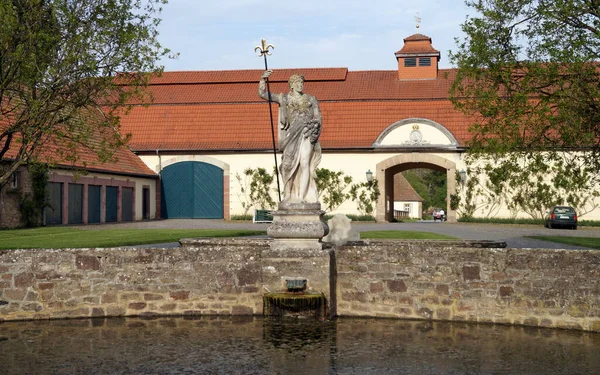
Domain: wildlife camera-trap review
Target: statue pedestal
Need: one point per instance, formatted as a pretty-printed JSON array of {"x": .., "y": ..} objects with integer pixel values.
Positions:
[{"x": 297, "y": 226}]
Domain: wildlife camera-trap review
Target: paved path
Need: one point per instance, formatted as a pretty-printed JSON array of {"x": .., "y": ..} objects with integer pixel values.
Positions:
[{"x": 512, "y": 234}]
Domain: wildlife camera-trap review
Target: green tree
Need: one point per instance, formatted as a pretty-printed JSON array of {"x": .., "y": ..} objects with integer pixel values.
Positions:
[
  {"x": 527, "y": 76},
  {"x": 331, "y": 186},
  {"x": 61, "y": 75}
]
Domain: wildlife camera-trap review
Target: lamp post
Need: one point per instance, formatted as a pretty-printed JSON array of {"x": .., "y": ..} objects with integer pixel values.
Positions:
[
  {"x": 463, "y": 177},
  {"x": 369, "y": 175}
]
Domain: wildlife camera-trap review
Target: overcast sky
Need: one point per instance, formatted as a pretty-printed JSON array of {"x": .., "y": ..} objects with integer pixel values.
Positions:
[{"x": 357, "y": 34}]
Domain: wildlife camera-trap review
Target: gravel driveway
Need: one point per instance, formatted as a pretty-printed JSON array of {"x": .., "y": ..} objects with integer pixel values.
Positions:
[{"x": 512, "y": 234}]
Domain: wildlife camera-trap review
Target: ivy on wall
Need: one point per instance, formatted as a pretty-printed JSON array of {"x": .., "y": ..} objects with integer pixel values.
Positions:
[{"x": 32, "y": 204}]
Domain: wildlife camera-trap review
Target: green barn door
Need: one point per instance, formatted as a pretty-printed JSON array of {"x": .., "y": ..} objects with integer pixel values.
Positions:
[
  {"x": 53, "y": 211},
  {"x": 94, "y": 203},
  {"x": 192, "y": 190},
  {"x": 75, "y": 203},
  {"x": 112, "y": 199}
]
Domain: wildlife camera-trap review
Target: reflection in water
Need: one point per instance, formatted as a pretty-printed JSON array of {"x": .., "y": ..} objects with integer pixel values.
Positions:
[{"x": 250, "y": 345}]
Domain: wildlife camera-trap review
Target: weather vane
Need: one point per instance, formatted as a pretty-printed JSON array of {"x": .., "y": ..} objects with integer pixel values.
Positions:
[
  {"x": 264, "y": 51},
  {"x": 417, "y": 20}
]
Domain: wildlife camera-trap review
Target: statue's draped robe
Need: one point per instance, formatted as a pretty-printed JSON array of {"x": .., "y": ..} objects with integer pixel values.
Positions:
[{"x": 297, "y": 127}]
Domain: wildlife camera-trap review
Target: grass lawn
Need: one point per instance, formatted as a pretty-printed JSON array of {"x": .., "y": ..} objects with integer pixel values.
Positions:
[
  {"x": 60, "y": 237},
  {"x": 404, "y": 235},
  {"x": 589, "y": 242}
]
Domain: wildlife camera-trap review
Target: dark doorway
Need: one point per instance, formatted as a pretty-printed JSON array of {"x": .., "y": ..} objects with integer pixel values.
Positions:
[
  {"x": 112, "y": 195},
  {"x": 94, "y": 203},
  {"x": 75, "y": 203},
  {"x": 53, "y": 213},
  {"x": 127, "y": 204},
  {"x": 146, "y": 203}
]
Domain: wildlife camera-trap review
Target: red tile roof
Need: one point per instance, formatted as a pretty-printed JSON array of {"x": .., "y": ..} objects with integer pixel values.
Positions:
[
  {"x": 239, "y": 76},
  {"x": 403, "y": 191},
  {"x": 221, "y": 110},
  {"x": 126, "y": 163},
  {"x": 417, "y": 43}
]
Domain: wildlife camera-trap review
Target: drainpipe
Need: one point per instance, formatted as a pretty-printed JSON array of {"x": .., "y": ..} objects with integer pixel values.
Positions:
[
  {"x": 159, "y": 162},
  {"x": 158, "y": 213}
]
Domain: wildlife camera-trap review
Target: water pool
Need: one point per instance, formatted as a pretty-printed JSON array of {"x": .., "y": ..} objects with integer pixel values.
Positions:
[{"x": 255, "y": 345}]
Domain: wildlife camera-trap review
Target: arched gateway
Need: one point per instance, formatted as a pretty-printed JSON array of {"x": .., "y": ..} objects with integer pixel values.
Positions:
[{"x": 420, "y": 143}]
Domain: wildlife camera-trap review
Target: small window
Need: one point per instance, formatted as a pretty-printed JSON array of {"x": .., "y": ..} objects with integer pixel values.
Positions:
[
  {"x": 424, "y": 61},
  {"x": 407, "y": 207},
  {"x": 15, "y": 180},
  {"x": 409, "y": 62}
]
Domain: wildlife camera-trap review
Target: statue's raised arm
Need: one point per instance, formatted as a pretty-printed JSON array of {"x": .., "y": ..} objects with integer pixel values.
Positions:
[{"x": 262, "y": 88}]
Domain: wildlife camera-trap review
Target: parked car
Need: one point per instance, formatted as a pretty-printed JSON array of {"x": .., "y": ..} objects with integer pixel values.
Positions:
[
  {"x": 439, "y": 214},
  {"x": 561, "y": 216}
]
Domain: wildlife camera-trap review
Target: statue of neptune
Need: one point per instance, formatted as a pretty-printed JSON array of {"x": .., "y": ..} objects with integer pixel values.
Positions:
[{"x": 299, "y": 129}]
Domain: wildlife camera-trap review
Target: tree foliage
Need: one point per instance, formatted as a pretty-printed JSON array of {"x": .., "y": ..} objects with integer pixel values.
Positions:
[
  {"x": 332, "y": 187},
  {"x": 67, "y": 68},
  {"x": 527, "y": 71},
  {"x": 528, "y": 77}
]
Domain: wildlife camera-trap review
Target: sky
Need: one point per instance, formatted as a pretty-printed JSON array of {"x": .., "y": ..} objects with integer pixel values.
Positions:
[{"x": 356, "y": 34}]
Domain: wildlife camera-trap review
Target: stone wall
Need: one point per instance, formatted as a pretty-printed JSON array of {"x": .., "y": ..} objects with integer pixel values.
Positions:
[
  {"x": 10, "y": 199},
  {"x": 397, "y": 279},
  {"x": 429, "y": 280},
  {"x": 207, "y": 277}
]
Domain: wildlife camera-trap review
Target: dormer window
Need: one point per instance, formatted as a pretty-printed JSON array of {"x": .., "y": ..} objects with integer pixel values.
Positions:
[
  {"x": 417, "y": 59},
  {"x": 410, "y": 61},
  {"x": 424, "y": 61}
]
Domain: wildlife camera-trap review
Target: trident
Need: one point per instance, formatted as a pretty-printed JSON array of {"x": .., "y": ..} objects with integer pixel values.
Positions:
[{"x": 263, "y": 50}]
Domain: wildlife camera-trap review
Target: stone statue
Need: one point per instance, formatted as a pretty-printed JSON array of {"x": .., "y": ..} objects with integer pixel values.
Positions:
[{"x": 299, "y": 129}]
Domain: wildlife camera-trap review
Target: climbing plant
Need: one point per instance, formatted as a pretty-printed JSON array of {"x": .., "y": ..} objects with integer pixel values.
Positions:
[
  {"x": 255, "y": 189},
  {"x": 365, "y": 195},
  {"x": 332, "y": 187},
  {"x": 32, "y": 204},
  {"x": 526, "y": 183}
]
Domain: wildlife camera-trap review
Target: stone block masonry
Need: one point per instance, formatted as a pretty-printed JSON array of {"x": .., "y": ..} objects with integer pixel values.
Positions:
[
  {"x": 204, "y": 277},
  {"x": 427, "y": 280},
  {"x": 432, "y": 281}
]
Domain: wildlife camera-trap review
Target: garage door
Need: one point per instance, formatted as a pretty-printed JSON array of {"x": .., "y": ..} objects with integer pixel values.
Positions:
[{"x": 192, "y": 190}]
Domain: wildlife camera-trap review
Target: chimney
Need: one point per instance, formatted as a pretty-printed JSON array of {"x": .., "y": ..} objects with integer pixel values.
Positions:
[{"x": 417, "y": 59}]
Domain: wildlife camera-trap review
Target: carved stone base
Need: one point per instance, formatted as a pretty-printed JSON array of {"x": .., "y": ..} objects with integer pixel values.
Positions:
[{"x": 297, "y": 226}]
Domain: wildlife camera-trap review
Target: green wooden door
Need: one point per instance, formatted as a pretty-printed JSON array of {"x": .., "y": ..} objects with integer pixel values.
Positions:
[
  {"x": 75, "y": 203},
  {"x": 112, "y": 199},
  {"x": 192, "y": 190},
  {"x": 127, "y": 204},
  {"x": 53, "y": 211},
  {"x": 94, "y": 203}
]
